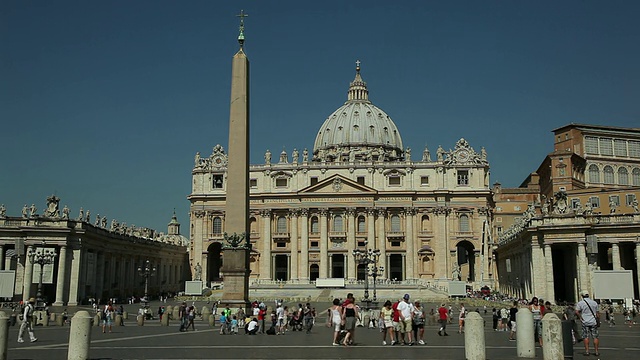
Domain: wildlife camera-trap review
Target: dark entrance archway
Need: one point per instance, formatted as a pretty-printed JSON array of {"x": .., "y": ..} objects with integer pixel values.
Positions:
[
  {"x": 395, "y": 267},
  {"x": 564, "y": 272},
  {"x": 337, "y": 266},
  {"x": 282, "y": 267},
  {"x": 466, "y": 260},
  {"x": 314, "y": 272},
  {"x": 214, "y": 261},
  {"x": 360, "y": 271}
]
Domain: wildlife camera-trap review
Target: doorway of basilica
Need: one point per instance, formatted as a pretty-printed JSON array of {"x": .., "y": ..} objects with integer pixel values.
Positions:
[
  {"x": 214, "y": 261},
  {"x": 466, "y": 260},
  {"x": 337, "y": 266}
]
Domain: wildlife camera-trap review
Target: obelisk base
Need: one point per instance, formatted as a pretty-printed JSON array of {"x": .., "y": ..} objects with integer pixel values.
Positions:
[{"x": 236, "y": 278}]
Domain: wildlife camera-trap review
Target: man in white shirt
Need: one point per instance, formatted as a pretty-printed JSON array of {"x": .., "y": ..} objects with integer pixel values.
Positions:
[
  {"x": 587, "y": 311},
  {"x": 405, "y": 308},
  {"x": 280, "y": 316},
  {"x": 252, "y": 327},
  {"x": 26, "y": 321}
]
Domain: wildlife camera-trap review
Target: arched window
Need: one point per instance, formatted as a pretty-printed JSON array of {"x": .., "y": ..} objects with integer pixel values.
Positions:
[
  {"x": 361, "y": 224},
  {"x": 594, "y": 173},
  {"x": 338, "y": 223},
  {"x": 217, "y": 226},
  {"x": 281, "y": 225},
  {"x": 253, "y": 225},
  {"x": 464, "y": 223},
  {"x": 425, "y": 223},
  {"x": 635, "y": 177},
  {"x": 608, "y": 175},
  {"x": 623, "y": 176},
  {"x": 395, "y": 223},
  {"x": 314, "y": 225}
]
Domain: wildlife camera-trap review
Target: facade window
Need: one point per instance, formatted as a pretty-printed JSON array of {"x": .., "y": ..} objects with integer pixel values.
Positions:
[
  {"x": 591, "y": 145},
  {"x": 281, "y": 225},
  {"x": 620, "y": 147},
  {"x": 463, "y": 177},
  {"x": 606, "y": 146},
  {"x": 360, "y": 180},
  {"x": 394, "y": 180},
  {"x": 595, "y": 201},
  {"x": 594, "y": 173},
  {"x": 574, "y": 203},
  {"x": 314, "y": 244},
  {"x": 217, "y": 181},
  {"x": 253, "y": 183},
  {"x": 314, "y": 180},
  {"x": 314, "y": 225},
  {"x": 623, "y": 176},
  {"x": 361, "y": 224},
  {"x": 395, "y": 243},
  {"x": 425, "y": 223},
  {"x": 635, "y": 177},
  {"x": 499, "y": 219},
  {"x": 281, "y": 244},
  {"x": 281, "y": 182},
  {"x": 338, "y": 224},
  {"x": 614, "y": 199},
  {"x": 424, "y": 181},
  {"x": 253, "y": 225},
  {"x": 629, "y": 199},
  {"x": 608, "y": 175},
  {"x": 634, "y": 149},
  {"x": 463, "y": 222},
  {"x": 217, "y": 226},
  {"x": 395, "y": 223},
  {"x": 498, "y": 208},
  {"x": 499, "y": 230}
]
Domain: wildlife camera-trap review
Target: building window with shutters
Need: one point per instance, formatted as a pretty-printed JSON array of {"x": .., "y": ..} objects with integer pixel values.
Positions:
[{"x": 217, "y": 226}]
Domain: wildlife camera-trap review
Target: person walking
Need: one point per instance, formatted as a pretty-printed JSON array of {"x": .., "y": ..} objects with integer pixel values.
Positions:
[
  {"x": 349, "y": 316},
  {"x": 512, "y": 320},
  {"x": 461, "y": 317},
  {"x": 587, "y": 312},
  {"x": 443, "y": 318},
  {"x": 406, "y": 319},
  {"x": 418, "y": 323},
  {"x": 386, "y": 318},
  {"x": 27, "y": 315},
  {"x": 536, "y": 311},
  {"x": 107, "y": 319},
  {"x": 334, "y": 318}
]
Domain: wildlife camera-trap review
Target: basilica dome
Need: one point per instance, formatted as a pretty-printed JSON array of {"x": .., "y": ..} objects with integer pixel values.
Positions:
[{"x": 358, "y": 130}]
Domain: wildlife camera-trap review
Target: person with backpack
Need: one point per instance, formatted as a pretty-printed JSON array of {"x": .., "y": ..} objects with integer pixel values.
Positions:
[
  {"x": 183, "y": 314},
  {"x": 27, "y": 314},
  {"x": 106, "y": 317}
]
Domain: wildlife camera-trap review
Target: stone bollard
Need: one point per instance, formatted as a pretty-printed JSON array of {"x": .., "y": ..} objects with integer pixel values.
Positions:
[
  {"x": 96, "y": 320},
  {"x": 474, "y": 348},
  {"x": 4, "y": 335},
  {"x": 552, "y": 337},
  {"x": 119, "y": 321},
  {"x": 140, "y": 319},
  {"x": 52, "y": 317},
  {"x": 168, "y": 310},
  {"x": 125, "y": 315},
  {"x": 526, "y": 342},
  {"x": 60, "y": 320},
  {"x": 205, "y": 312},
  {"x": 164, "y": 321},
  {"x": 175, "y": 314},
  {"x": 80, "y": 336},
  {"x": 212, "y": 320}
]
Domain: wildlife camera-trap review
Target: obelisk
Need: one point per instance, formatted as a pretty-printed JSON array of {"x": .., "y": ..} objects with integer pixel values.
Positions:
[{"x": 237, "y": 247}]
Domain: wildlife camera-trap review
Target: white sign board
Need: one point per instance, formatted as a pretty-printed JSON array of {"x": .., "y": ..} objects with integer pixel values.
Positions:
[
  {"x": 612, "y": 284},
  {"x": 193, "y": 288},
  {"x": 7, "y": 283},
  {"x": 457, "y": 288},
  {"x": 330, "y": 282}
]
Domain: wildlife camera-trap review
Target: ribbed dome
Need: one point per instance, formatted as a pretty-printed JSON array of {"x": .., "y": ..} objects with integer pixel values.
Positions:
[{"x": 358, "y": 130}]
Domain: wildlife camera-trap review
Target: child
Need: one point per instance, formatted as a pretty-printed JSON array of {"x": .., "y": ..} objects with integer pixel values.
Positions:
[
  {"x": 223, "y": 323},
  {"x": 234, "y": 325}
]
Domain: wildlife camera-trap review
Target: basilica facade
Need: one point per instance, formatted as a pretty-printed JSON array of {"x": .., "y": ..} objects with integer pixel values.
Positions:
[{"x": 357, "y": 188}]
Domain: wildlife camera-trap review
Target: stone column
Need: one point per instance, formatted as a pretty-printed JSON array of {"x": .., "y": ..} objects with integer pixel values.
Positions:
[
  {"x": 441, "y": 246},
  {"x": 411, "y": 253},
  {"x": 324, "y": 244},
  {"x": 382, "y": 241},
  {"x": 351, "y": 243},
  {"x": 1, "y": 257},
  {"x": 371, "y": 227},
  {"x": 583, "y": 269},
  {"x": 62, "y": 273},
  {"x": 293, "y": 216},
  {"x": 550, "y": 290},
  {"x": 75, "y": 277},
  {"x": 28, "y": 275},
  {"x": 100, "y": 273},
  {"x": 538, "y": 272},
  {"x": 304, "y": 245},
  {"x": 265, "y": 257},
  {"x": 615, "y": 256}
]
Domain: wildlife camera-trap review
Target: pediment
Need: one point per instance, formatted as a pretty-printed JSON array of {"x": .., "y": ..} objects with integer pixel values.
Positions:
[{"x": 337, "y": 184}]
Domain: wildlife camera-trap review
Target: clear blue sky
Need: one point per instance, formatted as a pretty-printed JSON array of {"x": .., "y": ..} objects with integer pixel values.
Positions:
[{"x": 106, "y": 102}]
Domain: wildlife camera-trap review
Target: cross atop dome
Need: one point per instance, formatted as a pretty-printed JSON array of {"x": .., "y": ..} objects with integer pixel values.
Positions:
[
  {"x": 242, "y": 15},
  {"x": 358, "y": 88}
]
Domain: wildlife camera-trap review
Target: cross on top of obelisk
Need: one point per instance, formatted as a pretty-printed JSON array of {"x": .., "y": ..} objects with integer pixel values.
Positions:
[{"x": 242, "y": 15}]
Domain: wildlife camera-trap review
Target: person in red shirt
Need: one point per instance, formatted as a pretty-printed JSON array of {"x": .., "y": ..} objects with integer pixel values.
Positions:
[
  {"x": 396, "y": 321},
  {"x": 261, "y": 315},
  {"x": 443, "y": 314}
]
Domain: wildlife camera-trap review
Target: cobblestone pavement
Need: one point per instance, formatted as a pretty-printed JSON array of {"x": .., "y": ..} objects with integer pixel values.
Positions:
[{"x": 153, "y": 341}]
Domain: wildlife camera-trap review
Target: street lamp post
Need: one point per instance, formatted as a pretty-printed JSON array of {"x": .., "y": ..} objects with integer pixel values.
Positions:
[
  {"x": 375, "y": 271},
  {"x": 368, "y": 257},
  {"x": 146, "y": 271},
  {"x": 43, "y": 257}
]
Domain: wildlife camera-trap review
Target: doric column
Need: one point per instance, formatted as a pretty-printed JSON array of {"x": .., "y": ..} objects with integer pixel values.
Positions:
[
  {"x": 100, "y": 272},
  {"x": 548, "y": 258},
  {"x": 304, "y": 245},
  {"x": 615, "y": 256},
  {"x": 382, "y": 241},
  {"x": 293, "y": 216},
  {"x": 351, "y": 243},
  {"x": 324, "y": 244},
  {"x": 371, "y": 228},
  {"x": 265, "y": 257},
  {"x": 75, "y": 277},
  {"x": 538, "y": 272},
  {"x": 583, "y": 269},
  {"x": 443, "y": 265},
  {"x": 411, "y": 254},
  {"x": 28, "y": 276},
  {"x": 62, "y": 273}
]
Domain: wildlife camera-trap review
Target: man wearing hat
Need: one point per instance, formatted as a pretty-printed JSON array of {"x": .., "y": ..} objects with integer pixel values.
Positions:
[
  {"x": 587, "y": 312},
  {"x": 26, "y": 321},
  {"x": 405, "y": 308}
]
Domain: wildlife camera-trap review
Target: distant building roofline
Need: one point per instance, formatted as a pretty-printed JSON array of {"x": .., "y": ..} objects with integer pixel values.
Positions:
[{"x": 596, "y": 127}]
